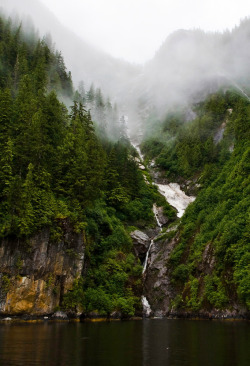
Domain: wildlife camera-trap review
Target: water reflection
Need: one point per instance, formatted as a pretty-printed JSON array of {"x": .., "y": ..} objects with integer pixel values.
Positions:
[
  {"x": 132, "y": 343},
  {"x": 195, "y": 343},
  {"x": 63, "y": 344}
]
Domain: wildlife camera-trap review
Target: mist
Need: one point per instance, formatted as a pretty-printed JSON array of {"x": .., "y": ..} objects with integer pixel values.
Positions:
[
  {"x": 189, "y": 65},
  {"x": 85, "y": 61}
]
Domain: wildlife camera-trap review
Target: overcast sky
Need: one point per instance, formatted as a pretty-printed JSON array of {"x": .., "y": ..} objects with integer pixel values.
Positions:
[{"x": 135, "y": 29}]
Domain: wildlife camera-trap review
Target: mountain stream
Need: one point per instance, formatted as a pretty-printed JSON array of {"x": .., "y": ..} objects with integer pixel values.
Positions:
[{"x": 176, "y": 198}]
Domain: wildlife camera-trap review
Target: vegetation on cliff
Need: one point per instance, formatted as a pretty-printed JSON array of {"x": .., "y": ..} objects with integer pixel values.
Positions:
[
  {"x": 210, "y": 264},
  {"x": 54, "y": 167},
  {"x": 57, "y": 164}
]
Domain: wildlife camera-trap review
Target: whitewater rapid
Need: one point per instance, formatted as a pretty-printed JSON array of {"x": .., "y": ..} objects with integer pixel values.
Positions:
[
  {"x": 172, "y": 191},
  {"x": 175, "y": 197}
]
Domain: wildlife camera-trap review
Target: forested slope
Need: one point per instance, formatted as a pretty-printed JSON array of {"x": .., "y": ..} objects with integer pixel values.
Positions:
[
  {"x": 70, "y": 187},
  {"x": 56, "y": 173},
  {"x": 209, "y": 264}
]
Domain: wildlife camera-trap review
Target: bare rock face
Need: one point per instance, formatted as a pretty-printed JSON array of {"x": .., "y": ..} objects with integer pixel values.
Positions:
[
  {"x": 141, "y": 243},
  {"x": 163, "y": 220},
  {"x": 160, "y": 291},
  {"x": 35, "y": 274},
  {"x": 157, "y": 283}
]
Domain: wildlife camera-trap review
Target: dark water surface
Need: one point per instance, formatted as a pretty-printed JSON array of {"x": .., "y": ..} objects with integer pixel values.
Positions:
[{"x": 156, "y": 342}]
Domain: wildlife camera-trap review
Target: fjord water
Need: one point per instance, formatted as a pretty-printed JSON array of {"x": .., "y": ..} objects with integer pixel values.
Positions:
[{"x": 154, "y": 342}]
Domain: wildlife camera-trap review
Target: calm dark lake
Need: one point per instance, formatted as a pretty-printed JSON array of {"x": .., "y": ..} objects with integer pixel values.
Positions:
[{"x": 156, "y": 342}]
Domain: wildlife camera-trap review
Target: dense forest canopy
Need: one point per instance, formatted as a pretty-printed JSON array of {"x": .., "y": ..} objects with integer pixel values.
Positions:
[
  {"x": 65, "y": 158},
  {"x": 213, "y": 151},
  {"x": 54, "y": 168}
]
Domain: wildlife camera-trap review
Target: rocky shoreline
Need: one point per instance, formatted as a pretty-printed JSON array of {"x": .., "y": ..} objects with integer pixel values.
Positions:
[{"x": 67, "y": 317}]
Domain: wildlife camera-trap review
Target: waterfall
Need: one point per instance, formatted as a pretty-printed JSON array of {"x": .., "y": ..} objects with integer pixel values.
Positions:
[
  {"x": 173, "y": 194},
  {"x": 242, "y": 91},
  {"x": 156, "y": 215},
  {"x": 152, "y": 241},
  {"x": 146, "y": 259},
  {"x": 175, "y": 197},
  {"x": 146, "y": 307},
  {"x": 145, "y": 304},
  {"x": 235, "y": 85}
]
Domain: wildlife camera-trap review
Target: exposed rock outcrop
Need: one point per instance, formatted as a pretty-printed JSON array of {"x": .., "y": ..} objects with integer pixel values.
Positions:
[
  {"x": 35, "y": 274},
  {"x": 160, "y": 291},
  {"x": 162, "y": 219},
  {"x": 157, "y": 284},
  {"x": 141, "y": 243}
]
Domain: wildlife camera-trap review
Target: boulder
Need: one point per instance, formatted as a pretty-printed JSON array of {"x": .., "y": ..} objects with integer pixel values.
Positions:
[{"x": 141, "y": 243}]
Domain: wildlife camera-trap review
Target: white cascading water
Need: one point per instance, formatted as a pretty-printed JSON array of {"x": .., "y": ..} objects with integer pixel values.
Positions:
[
  {"x": 152, "y": 241},
  {"x": 146, "y": 259},
  {"x": 156, "y": 216},
  {"x": 176, "y": 198},
  {"x": 146, "y": 307},
  {"x": 172, "y": 191},
  {"x": 173, "y": 194},
  {"x": 145, "y": 304},
  {"x": 242, "y": 92},
  {"x": 239, "y": 88},
  {"x": 235, "y": 85}
]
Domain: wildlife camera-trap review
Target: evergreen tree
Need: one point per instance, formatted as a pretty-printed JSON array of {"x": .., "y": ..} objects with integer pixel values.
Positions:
[{"x": 90, "y": 96}]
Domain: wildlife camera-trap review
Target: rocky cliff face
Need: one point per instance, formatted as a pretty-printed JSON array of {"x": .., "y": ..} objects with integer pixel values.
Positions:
[
  {"x": 141, "y": 242},
  {"x": 157, "y": 283},
  {"x": 160, "y": 290},
  {"x": 36, "y": 273}
]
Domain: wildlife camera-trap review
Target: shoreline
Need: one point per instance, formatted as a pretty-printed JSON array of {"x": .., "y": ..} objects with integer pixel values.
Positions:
[{"x": 10, "y": 319}]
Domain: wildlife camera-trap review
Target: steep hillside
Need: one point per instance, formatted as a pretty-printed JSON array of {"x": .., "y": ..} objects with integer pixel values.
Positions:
[
  {"x": 203, "y": 267},
  {"x": 67, "y": 196},
  {"x": 188, "y": 66},
  {"x": 86, "y": 62},
  {"x": 71, "y": 196},
  {"x": 192, "y": 63}
]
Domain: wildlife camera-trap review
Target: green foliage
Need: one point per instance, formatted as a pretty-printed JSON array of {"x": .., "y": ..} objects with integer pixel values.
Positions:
[
  {"x": 181, "y": 273},
  {"x": 177, "y": 303},
  {"x": 113, "y": 284},
  {"x": 242, "y": 274},
  {"x": 185, "y": 148},
  {"x": 169, "y": 211},
  {"x": 166, "y": 235},
  {"x": 215, "y": 291},
  {"x": 55, "y": 169},
  {"x": 50, "y": 281},
  {"x": 96, "y": 299},
  {"x": 193, "y": 301},
  {"x": 75, "y": 296},
  {"x": 18, "y": 264},
  {"x": 139, "y": 209},
  {"x": 5, "y": 283},
  {"x": 118, "y": 239},
  {"x": 54, "y": 166},
  {"x": 215, "y": 228}
]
